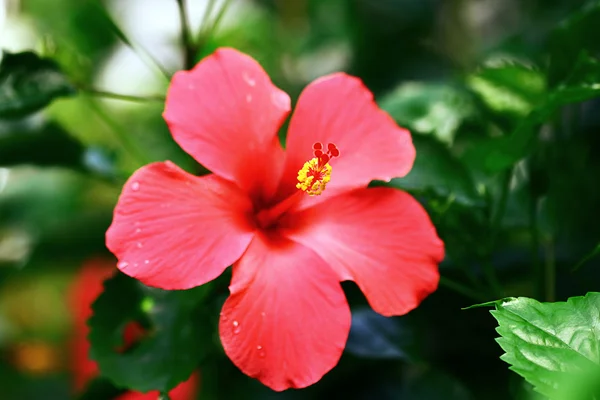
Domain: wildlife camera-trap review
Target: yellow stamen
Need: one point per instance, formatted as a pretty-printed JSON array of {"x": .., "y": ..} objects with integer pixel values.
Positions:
[{"x": 313, "y": 177}]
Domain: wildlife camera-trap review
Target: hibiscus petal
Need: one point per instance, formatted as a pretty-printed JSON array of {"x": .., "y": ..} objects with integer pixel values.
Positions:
[
  {"x": 226, "y": 113},
  {"x": 287, "y": 320},
  {"x": 84, "y": 290},
  {"x": 184, "y": 391},
  {"x": 380, "y": 238},
  {"x": 339, "y": 109},
  {"x": 174, "y": 230}
]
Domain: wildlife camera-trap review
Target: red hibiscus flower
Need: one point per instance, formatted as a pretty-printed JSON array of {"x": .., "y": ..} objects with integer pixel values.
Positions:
[
  {"x": 293, "y": 223},
  {"x": 85, "y": 288}
]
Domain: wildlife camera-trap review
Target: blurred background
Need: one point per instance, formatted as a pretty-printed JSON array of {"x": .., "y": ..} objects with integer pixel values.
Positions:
[{"x": 499, "y": 95}]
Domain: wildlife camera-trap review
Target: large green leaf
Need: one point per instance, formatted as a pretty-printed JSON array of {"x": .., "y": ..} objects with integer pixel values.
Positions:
[
  {"x": 29, "y": 83},
  {"x": 436, "y": 170},
  {"x": 170, "y": 352},
  {"x": 579, "y": 31},
  {"x": 582, "y": 84},
  {"x": 48, "y": 145},
  {"x": 508, "y": 87},
  {"x": 554, "y": 346},
  {"x": 429, "y": 108},
  {"x": 499, "y": 153}
]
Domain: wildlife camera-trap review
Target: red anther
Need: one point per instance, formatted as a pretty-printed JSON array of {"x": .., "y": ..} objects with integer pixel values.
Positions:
[
  {"x": 324, "y": 159},
  {"x": 318, "y": 153},
  {"x": 331, "y": 147},
  {"x": 334, "y": 152},
  {"x": 317, "y": 146}
]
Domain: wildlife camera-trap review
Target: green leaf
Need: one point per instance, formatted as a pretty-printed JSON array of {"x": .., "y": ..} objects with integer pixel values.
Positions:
[
  {"x": 437, "y": 170},
  {"x": 429, "y": 108},
  {"x": 554, "y": 346},
  {"x": 497, "y": 154},
  {"x": 582, "y": 84},
  {"x": 45, "y": 146},
  {"x": 493, "y": 154},
  {"x": 508, "y": 87},
  {"x": 170, "y": 352},
  {"x": 29, "y": 83},
  {"x": 578, "y": 32}
]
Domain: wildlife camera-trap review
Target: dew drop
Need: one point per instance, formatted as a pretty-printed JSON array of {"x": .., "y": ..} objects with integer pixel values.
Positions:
[
  {"x": 261, "y": 352},
  {"x": 249, "y": 80},
  {"x": 122, "y": 264},
  {"x": 248, "y": 98},
  {"x": 139, "y": 245},
  {"x": 135, "y": 186},
  {"x": 280, "y": 100},
  {"x": 236, "y": 327},
  {"x": 223, "y": 317},
  {"x": 146, "y": 262},
  {"x": 262, "y": 314},
  {"x": 138, "y": 230}
]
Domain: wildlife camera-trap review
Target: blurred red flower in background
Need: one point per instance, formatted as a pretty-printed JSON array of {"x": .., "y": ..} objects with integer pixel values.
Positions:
[
  {"x": 293, "y": 223},
  {"x": 86, "y": 287}
]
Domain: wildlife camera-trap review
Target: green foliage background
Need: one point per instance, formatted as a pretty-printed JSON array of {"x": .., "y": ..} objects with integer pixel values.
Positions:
[{"x": 502, "y": 97}]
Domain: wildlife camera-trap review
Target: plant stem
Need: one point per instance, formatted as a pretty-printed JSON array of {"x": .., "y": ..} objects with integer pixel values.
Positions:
[
  {"x": 538, "y": 271},
  {"x": 189, "y": 49},
  {"x": 141, "y": 52},
  {"x": 498, "y": 215},
  {"x": 124, "y": 97},
  {"x": 550, "y": 272},
  {"x": 122, "y": 137},
  {"x": 219, "y": 16},
  {"x": 595, "y": 251},
  {"x": 461, "y": 289},
  {"x": 204, "y": 22},
  {"x": 495, "y": 227}
]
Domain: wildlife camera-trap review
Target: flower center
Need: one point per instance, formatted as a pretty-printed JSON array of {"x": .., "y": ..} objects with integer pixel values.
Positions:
[
  {"x": 312, "y": 179},
  {"x": 316, "y": 172}
]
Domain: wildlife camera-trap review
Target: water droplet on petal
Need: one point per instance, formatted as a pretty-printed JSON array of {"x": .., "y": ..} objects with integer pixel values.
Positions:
[
  {"x": 249, "y": 80},
  {"x": 146, "y": 262},
  {"x": 280, "y": 100},
  {"x": 262, "y": 314},
  {"x": 248, "y": 98},
  {"x": 135, "y": 186},
  {"x": 259, "y": 347},
  {"x": 261, "y": 352},
  {"x": 223, "y": 317},
  {"x": 236, "y": 327},
  {"x": 139, "y": 245},
  {"x": 122, "y": 264},
  {"x": 137, "y": 230}
]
